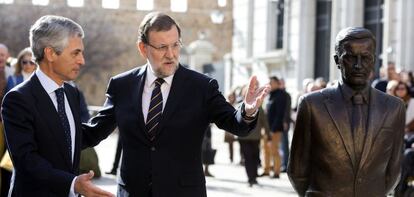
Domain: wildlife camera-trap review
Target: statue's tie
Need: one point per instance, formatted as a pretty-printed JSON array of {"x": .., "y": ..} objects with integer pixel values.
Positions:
[{"x": 358, "y": 125}]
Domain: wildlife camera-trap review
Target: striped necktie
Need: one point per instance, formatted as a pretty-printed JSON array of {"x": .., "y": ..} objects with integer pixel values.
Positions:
[{"x": 155, "y": 109}]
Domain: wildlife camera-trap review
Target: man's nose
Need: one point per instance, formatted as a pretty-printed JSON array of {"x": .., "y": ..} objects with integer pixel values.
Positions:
[
  {"x": 358, "y": 63},
  {"x": 81, "y": 60}
]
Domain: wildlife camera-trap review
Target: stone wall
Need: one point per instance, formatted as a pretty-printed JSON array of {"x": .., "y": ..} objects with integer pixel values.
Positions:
[{"x": 110, "y": 41}]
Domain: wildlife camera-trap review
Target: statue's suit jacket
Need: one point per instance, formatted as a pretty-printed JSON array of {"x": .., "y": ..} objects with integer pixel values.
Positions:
[
  {"x": 322, "y": 156},
  {"x": 171, "y": 164}
]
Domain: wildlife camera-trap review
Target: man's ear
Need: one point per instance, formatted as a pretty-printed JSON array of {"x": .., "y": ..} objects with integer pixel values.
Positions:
[
  {"x": 336, "y": 58},
  {"x": 49, "y": 54},
  {"x": 142, "y": 49}
]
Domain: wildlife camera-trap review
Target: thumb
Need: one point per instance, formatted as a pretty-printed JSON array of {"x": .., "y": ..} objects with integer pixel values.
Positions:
[{"x": 90, "y": 174}]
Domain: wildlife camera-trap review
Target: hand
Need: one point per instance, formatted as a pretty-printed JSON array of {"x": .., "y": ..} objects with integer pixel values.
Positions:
[
  {"x": 84, "y": 186},
  {"x": 255, "y": 96}
]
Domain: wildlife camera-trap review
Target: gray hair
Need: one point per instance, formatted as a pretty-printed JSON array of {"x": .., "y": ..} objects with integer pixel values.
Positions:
[
  {"x": 4, "y": 47},
  {"x": 52, "y": 31},
  {"x": 352, "y": 33}
]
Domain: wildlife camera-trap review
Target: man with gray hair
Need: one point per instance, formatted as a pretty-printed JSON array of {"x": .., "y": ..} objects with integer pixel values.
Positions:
[
  {"x": 348, "y": 138},
  {"x": 42, "y": 119}
]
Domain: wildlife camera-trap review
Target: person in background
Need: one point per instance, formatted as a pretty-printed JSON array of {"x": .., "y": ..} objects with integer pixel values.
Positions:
[
  {"x": 24, "y": 67},
  {"x": 284, "y": 144},
  {"x": 391, "y": 85},
  {"x": 276, "y": 107},
  {"x": 228, "y": 137},
  {"x": 250, "y": 146}
]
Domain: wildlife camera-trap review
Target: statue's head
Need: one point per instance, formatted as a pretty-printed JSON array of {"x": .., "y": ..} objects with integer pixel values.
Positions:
[{"x": 355, "y": 56}]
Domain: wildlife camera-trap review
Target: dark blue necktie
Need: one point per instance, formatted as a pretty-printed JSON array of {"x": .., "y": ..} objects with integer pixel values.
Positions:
[
  {"x": 155, "y": 109},
  {"x": 60, "y": 97}
]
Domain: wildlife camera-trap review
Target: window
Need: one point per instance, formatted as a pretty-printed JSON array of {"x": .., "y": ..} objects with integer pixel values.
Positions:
[
  {"x": 6, "y": 1},
  {"x": 373, "y": 16},
  {"x": 323, "y": 37},
  {"x": 145, "y": 4},
  {"x": 40, "y": 2},
  {"x": 222, "y": 3},
  {"x": 110, "y": 4},
  {"x": 75, "y": 3},
  {"x": 179, "y": 5},
  {"x": 280, "y": 12}
]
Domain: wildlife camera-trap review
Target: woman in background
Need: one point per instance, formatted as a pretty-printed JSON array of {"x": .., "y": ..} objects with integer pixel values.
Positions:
[{"x": 24, "y": 67}]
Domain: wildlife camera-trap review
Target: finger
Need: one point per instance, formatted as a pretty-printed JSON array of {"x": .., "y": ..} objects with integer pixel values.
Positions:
[{"x": 252, "y": 84}]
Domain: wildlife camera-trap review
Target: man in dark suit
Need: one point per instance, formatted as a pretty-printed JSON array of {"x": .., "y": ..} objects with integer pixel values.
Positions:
[
  {"x": 42, "y": 119},
  {"x": 348, "y": 138},
  {"x": 162, "y": 111}
]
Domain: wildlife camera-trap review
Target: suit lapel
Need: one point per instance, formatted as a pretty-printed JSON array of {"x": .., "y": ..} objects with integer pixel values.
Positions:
[
  {"x": 376, "y": 116},
  {"x": 337, "y": 110},
  {"x": 176, "y": 92},
  {"x": 45, "y": 105},
  {"x": 137, "y": 89}
]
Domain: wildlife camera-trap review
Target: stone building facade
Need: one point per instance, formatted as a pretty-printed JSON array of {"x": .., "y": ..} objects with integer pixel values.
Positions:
[
  {"x": 294, "y": 39},
  {"x": 111, "y": 34}
]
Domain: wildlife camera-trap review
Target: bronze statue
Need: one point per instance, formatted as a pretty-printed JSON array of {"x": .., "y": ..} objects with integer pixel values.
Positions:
[{"x": 348, "y": 138}]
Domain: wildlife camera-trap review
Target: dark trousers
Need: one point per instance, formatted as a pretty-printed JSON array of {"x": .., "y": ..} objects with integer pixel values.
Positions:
[
  {"x": 250, "y": 151},
  {"x": 285, "y": 148},
  {"x": 117, "y": 155},
  {"x": 407, "y": 172}
]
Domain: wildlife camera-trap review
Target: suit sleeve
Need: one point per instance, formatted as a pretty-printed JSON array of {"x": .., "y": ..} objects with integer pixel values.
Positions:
[
  {"x": 101, "y": 125},
  {"x": 299, "y": 160},
  {"x": 224, "y": 114},
  {"x": 394, "y": 164},
  {"x": 19, "y": 130}
]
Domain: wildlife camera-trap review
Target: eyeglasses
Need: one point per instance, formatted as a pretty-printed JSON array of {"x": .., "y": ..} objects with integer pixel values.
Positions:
[
  {"x": 353, "y": 59},
  {"x": 24, "y": 62},
  {"x": 164, "y": 48}
]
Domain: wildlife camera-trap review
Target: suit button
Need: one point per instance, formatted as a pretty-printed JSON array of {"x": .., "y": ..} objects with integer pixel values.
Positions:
[
  {"x": 152, "y": 148},
  {"x": 359, "y": 180}
]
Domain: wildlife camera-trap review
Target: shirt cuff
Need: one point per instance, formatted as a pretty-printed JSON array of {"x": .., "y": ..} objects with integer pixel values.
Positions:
[
  {"x": 72, "y": 188},
  {"x": 249, "y": 119}
]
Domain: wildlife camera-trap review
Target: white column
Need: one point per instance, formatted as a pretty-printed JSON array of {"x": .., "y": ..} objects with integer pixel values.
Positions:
[
  {"x": 405, "y": 39},
  {"x": 303, "y": 43},
  {"x": 342, "y": 18},
  {"x": 390, "y": 30}
]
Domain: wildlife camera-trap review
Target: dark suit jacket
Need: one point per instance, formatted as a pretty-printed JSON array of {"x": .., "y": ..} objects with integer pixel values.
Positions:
[
  {"x": 322, "y": 155},
  {"x": 35, "y": 139},
  {"x": 171, "y": 165},
  {"x": 276, "y": 109}
]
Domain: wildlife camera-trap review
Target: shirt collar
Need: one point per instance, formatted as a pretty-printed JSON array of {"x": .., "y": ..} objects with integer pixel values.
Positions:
[
  {"x": 348, "y": 92},
  {"x": 151, "y": 76},
  {"x": 48, "y": 84}
]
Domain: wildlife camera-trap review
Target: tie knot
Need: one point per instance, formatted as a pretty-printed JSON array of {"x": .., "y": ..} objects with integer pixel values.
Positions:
[
  {"x": 159, "y": 81},
  {"x": 59, "y": 92},
  {"x": 357, "y": 99}
]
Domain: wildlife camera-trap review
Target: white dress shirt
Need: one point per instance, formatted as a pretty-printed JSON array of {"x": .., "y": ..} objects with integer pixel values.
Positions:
[
  {"x": 50, "y": 86},
  {"x": 149, "y": 86}
]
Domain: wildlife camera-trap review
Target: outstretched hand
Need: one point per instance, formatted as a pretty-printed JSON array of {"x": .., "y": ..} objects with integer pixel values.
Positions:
[
  {"x": 255, "y": 96},
  {"x": 84, "y": 186}
]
